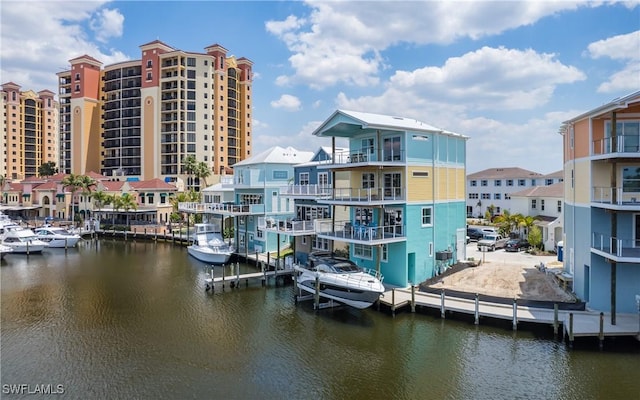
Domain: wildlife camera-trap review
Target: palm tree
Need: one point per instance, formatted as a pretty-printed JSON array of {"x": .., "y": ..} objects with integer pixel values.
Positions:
[
  {"x": 72, "y": 182},
  {"x": 527, "y": 223},
  {"x": 3, "y": 180},
  {"x": 202, "y": 172},
  {"x": 128, "y": 202},
  {"x": 508, "y": 222},
  {"x": 100, "y": 199},
  {"x": 86, "y": 183},
  {"x": 189, "y": 165},
  {"x": 116, "y": 202}
]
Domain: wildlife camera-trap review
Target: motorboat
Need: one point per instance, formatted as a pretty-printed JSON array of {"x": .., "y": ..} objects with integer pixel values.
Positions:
[
  {"x": 22, "y": 240},
  {"x": 209, "y": 245},
  {"x": 4, "y": 250},
  {"x": 57, "y": 237},
  {"x": 340, "y": 280}
]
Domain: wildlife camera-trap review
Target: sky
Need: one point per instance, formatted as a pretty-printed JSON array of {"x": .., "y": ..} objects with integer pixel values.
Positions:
[{"x": 505, "y": 74}]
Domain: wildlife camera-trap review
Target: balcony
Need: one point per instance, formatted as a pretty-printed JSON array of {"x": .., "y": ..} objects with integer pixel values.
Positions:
[
  {"x": 361, "y": 157},
  {"x": 222, "y": 208},
  {"x": 626, "y": 146},
  {"x": 288, "y": 226},
  {"x": 349, "y": 232},
  {"x": 615, "y": 249},
  {"x": 359, "y": 196},
  {"x": 306, "y": 191},
  {"x": 602, "y": 197}
]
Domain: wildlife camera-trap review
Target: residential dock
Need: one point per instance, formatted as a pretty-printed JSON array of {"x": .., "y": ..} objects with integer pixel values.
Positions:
[{"x": 574, "y": 323}]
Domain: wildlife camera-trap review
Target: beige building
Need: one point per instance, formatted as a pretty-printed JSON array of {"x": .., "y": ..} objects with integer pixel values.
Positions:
[
  {"x": 142, "y": 118},
  {"x": 29, "y": 135}
]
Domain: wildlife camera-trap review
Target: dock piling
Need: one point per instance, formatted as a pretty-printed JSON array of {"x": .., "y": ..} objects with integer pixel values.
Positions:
[
  {"x": 515, "y": 314},
  {"x": 442, "y": 310},
  {"x": 555, "y": 320},
  {"x": 477, "y": 310},
  {"x": 316, "y": 299},
  {"x": 601, "y": 332},
  {"x": 571, "y": 330},
  {"x": 393, "y": 302},
  {"x": 413, "y": 298}
]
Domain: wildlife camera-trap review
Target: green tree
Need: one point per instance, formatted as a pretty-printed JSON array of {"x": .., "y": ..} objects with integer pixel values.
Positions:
[
  {"x": 507, "y": 222},
  {"x": 202, "y": 171},
  {"x": 86, "y": 186},
  {"x": 128, "y": 202},
  {"x": 73, "y": 183},
  {"x": 100, "y": 199},
  {"x": 189, "y": 165},
  {"x": 526, "y": 223},
  {"x": 535, "y": 237},
  {"x": 3, "y": 181},
  {"x": 47, "y": 169}
]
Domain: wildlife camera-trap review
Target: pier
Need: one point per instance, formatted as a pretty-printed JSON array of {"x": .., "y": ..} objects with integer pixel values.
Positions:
[{"x": 574, "y": 323}]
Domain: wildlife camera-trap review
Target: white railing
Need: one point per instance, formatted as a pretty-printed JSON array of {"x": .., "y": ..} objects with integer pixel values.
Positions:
[
  {"x": 286, "y": 225},
  {"x": 367, "y": 195},
  {"x": 306, "y": 190},
  {"x": 615, "y": 246},
  {"x": 624, "y": 144},
  {"x": 346, "y": 230},
  {"x": 605, "y": 195},
  {"x": 365, "y": 156},
  {"x": 221, "y": 208}
]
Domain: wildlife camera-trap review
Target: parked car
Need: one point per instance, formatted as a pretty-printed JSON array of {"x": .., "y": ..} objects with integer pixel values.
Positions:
[
  {"x": 491, "y": 242},
  {"x": 516, "y": 245},
  {"x": 474, "y": 233}
]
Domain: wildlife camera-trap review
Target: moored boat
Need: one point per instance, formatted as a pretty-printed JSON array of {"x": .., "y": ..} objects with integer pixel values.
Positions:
[
  {"x": 57, "y": 237},
  {"x": 4, "y": 250},
  {"x": 341, "y": 280},
  {"x": 22, "y": 240},
  {"x": 209, "y": 245}
]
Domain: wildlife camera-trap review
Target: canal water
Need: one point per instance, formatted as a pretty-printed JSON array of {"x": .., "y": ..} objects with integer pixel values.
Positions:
[{"x": 115, "y": 319}]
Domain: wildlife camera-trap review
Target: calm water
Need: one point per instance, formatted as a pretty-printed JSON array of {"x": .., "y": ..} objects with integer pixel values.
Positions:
[{"x": 132, "y": 320}]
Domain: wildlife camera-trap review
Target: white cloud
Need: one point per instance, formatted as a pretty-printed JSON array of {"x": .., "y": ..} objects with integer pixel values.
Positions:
[
  {"x": 625, "y": 48},
  {"x": 287, "y": 102},
  {"x": 107, "y": 23},
  {"x": 56, "y": 34},
  {"x": 342, "y": 41}
]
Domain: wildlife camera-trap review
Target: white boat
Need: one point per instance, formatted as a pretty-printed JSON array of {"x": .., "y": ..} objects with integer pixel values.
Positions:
[
  {"x": 340, "y": 280},
  {"x": 57, "y": 237},
  {"x": 4, "y": 250},
  {"x": 22, "y": 240},
  {"x": 209, "y": 245}
]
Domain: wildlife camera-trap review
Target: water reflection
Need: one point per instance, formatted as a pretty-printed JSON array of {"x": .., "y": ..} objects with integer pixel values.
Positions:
[{"x": 116, "y": 319}]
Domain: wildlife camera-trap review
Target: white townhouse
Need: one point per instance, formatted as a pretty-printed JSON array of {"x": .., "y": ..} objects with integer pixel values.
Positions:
[
  {"x": 545, "y": 204},
  {"x": 492, "y": 188}
]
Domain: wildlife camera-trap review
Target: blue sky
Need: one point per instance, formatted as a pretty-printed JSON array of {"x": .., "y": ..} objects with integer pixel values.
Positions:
[{"x": 506, "y": 74}]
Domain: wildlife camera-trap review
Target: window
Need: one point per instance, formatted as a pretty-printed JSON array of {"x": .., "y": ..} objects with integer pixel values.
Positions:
[
  {"x": 533, "y": 204},
  {"x": 630, "y": 179},
  {"x": 149, "y": 64},
  {"x": 548, "y": 182},
  {"x": 509, "y": 182},
  {"x": 320, "y": 243},
  {"x": 77, "y": 77},
  {"x": 280, "y": 175},
  {"x": 191, "y": 62},
  {"x": 473, "y": 196},
  {"x": 323, "y": 178},
  {"x": 303, "y": 178},
  {"x": 362, "y": 251},
  {"x": 483, "y": 182},
  {"x": 496, "y": 196},
  {"x": 259, "y": 234},
  {"x": 368, "y": 180},
  {"x": 474, "y": 183},
  {"x": 426, "y": 216},
  {"x": 559, "y": 206},
  {"x": 486, "y": 196},
  {"x": 148, "y": 76},
  {"x": 542, "y": 205},
  {"x": 521, "y": 182},
  {"x": 507, "y": 196},
  {"x": 497, "y": 182},
  {"x": 385, "y": 253},
  {"x": 533, "y": 182}
]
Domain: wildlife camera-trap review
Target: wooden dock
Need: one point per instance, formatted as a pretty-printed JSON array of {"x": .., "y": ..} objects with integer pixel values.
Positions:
[
  {"x": 235, "y": 278},
  {"x": 575, "y": 323}
]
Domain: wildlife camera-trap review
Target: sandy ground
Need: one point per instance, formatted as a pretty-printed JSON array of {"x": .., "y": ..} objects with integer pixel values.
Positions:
[{"x": 510, "y": 275}]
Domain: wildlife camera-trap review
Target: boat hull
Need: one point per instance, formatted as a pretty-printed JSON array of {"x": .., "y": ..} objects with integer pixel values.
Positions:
[
  {"x": 70, "y": 241},
  {"x": 207, "y": 255},
  {"x": 354, "y": 297},
  {"x": 23, "y": 249}
]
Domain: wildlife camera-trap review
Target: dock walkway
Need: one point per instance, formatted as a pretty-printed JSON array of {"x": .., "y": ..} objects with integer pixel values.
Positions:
[{"x": 575, "y": 323}]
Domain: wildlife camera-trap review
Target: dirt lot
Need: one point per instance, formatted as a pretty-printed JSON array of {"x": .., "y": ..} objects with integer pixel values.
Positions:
[{"x": 510, "y": 275}]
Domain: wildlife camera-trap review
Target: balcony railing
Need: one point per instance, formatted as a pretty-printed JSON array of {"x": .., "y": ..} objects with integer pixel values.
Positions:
[
  {"x": 605, "y": 195},
  {"x": 364, "y": 156},
  {"x": 616, "y": 247},
  {"x": 625, "y": 144},
  {"x": 222, "y": 208},
  {"x": 368, "y": 195},
  {"x": 287, "y": 225},
  {"x": 306, "y": 190},
  {"x": 367, "y": 234}
]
